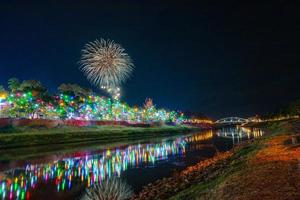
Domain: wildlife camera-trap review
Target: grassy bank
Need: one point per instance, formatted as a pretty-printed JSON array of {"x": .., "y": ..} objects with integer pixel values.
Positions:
[
  {"x": 28, "y": 137},
  {"x": 267, "y": 168}
]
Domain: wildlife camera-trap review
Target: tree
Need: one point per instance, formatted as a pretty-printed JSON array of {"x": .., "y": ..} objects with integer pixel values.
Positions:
[
  {"x": 13, "y": 84},
  {"x": 3, "y": 93},
  {"x": 28, "y": 98},
  {"x": 294, "y": 108},
  {"x": 149, "y": 110},
  {"x": 33, "y": 86},
  {"x": 3, "y": 101},
  {"x": 71, "y": 99},
  {"x": 2, "y": 88},
  {"x": 74, "y": 90}
]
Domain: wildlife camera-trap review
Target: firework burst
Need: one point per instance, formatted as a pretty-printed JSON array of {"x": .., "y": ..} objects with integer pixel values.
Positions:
[{"x": 105, "y": 63}]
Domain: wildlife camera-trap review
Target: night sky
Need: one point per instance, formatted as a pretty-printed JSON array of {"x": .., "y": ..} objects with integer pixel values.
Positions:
[{"x": 221, "y": 59}]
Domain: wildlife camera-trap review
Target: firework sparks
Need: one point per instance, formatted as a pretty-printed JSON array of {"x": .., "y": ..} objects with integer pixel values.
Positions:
[
  {"x": 106, "y": 64},
  {"x": 115, "y": 92}
]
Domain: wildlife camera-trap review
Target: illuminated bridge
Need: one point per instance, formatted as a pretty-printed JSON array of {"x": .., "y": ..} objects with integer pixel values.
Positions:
[{"x": 231, "y": 121}]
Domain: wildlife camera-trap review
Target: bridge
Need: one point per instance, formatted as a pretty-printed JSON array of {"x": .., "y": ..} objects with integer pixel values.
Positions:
[{"x": 231, "y": 121}]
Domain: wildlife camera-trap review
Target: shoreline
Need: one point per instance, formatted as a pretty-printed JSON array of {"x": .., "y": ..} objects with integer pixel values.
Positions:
[{"x": 241, "y": 172}]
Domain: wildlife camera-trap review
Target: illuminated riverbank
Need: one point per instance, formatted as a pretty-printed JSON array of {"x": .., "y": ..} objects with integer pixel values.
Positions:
[{"x": 89, "y": 169}]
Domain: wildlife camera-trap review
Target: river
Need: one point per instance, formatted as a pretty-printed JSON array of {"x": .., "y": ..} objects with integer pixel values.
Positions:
[{"x": 62, "y": 175}]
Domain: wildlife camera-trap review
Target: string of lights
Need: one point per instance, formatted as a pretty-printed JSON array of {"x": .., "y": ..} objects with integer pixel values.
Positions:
[{"x": 93, "y": 107}]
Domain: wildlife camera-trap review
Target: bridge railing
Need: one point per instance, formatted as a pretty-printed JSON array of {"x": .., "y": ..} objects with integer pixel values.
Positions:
[{"x": 231, "y": 120}]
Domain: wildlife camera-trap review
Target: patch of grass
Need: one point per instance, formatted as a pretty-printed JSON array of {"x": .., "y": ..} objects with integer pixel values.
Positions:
[
  {"x": 9, "y": 129},
  {"x": 246, "y": 150},
  {"x": 102, "y": 134},
  {"x": 197, "y": 190}
]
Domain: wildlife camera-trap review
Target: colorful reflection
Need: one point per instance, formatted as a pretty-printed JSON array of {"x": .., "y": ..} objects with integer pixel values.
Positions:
[
  {"x": 90, "y": 169},
  {"x": 87, "y": 169},
  {"x": 200, "y": 137},
  {"x": 238, "y": 134}
]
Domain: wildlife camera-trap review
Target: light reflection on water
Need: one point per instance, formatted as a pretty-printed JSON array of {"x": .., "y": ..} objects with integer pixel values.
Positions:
[
  {"x": 238, "y": 134},
  {"x": 86, "y": 170}
]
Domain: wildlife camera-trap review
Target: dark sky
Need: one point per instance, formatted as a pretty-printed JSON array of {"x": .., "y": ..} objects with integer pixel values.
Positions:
[{"x": 223, "y": 59}]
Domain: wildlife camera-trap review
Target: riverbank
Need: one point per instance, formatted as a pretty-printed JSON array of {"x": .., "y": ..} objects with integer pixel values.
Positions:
[
  {"x": 30, "y": 137},
  {"x": 267, "y": 168},
  {"x": 40, "y": 142}
]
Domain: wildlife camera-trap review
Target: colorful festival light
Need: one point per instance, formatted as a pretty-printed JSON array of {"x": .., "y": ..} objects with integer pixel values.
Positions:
[
  {"x": 93, "y": 107},
  {"x": 3, "y": 98}
]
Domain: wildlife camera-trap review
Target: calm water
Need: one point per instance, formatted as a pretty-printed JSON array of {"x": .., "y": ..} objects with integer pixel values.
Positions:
[{"x": 66, "y": 175}]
